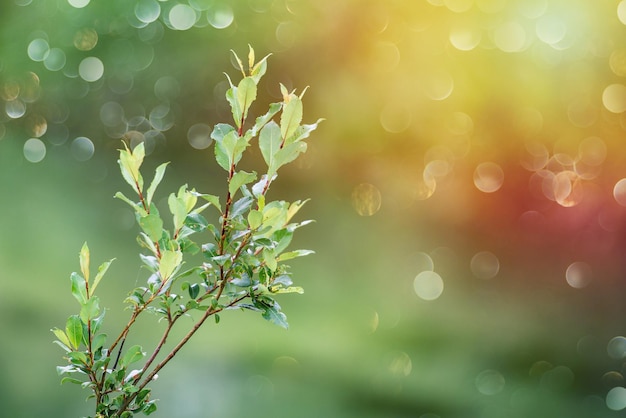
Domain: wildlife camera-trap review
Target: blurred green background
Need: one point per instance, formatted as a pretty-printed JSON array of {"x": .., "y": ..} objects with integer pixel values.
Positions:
[{"x": 467, "y": 186}]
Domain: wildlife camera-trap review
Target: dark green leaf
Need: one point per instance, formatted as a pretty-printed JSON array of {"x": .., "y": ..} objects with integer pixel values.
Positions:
[
  {"x": 241, "y": 206},
  {"x": 275, "y": 316},
  {"x": 196, "y": 222},
  {"x": 194, "y": 290}
]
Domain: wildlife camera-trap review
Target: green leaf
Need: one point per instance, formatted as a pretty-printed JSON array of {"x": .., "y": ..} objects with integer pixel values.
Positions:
[
  {"x": 261, "y": 121},
  {"x": 101, "y": 272},
  {"x": 225, "y": 150},
  {"x": 134, "y": 205},
  {"x": 61, "y": 336},
  {"x": 169, "y": 263},
  {"x": 178, "y": 209},
  {"x": 90, "y": 310},
  {"x": 255, "y": 219},
  {"x": 270, "y": 259},
  {"x": 246, "y": 94},
  {"x": 259, "y": 69},
  {"x": 238, "y": 62},
  {"x": 132, "y": 355},
  {"x": 68, "y": 379},
  {"x": 275, "y": 316},
  {"x": 84, "y": 261},
  {"x": 291, "y": 289},
  {"x": 158, "y": 176},
  {"x": 235, "y": 109},
  {"x": 239, "y": 179},
  {"x": 196, "y": 222},
  {"x": 152, "y": 225},
  {"x": 194, "y": 290},
  {"x": 303, "y": 132},
  {"x": 212, "y": 199},
  {"x": 74, "y": 331},
  {"x": 98, "y": 342},
  {"x": 269, "y": 142},
  {"x": 79, "y": 287},
  {"x": 288, "y": 153},
  {"x": 130, "y": 162},
  {"x": 294, "y": 254},
  {"x": 241, "y": 206},
  {"x": 291, "y": 117}
]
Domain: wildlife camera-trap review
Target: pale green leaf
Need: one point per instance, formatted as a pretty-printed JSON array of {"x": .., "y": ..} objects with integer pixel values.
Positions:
[
  {"x": 158, "y": 176},
  {"x": 231, "y": 97},
  {"x": 169, "y": 263},
  {"x": 61, "y": 336},
  {"x": 178, "y": 210},
  {"x": 101, "y": 272},
  {"x": 269, "y": 142},
  {"x": 137, "y": 207},
  {"x": 270, "y": 259},
  {"x": 264, "y": 119},
  {"x": 250, "y": 57},
  {"x": 291, "y": 289},
  {"x": 98, "y": 341},
  {"x": 294, "y": 254},
  {"x": 291, "y": 117},
  {"x": 239, "y": 179},
  {"x": 259, "y": 69},
  {"x": 246, "y": 94},
  {"x": 255, "y": 219},
  {"x": 287, "y": 154},
  {"x": 84, "y": 261},
  {"x": 152, "y": 225},
  {"x": 239, "y": 62}
]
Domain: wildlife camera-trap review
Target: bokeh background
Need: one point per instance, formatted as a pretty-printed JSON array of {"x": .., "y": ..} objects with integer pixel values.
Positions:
[{"x": 467, "y": 185}]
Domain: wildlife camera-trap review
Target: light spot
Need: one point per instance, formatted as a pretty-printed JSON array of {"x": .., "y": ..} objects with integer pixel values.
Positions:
[
  {"x": 82, "y": 148},
  {"x": 15, "y": 109},
  {"x": 619, "y": 192},
  {"x": 465, "y": 38},
  {"x": 425, "y": 186},
  {"x": 490, "y": 382},
  {"x": 38, "y": 49},
  {"x": 510, "y": 37},
  {"x": 616, "y": 398},
  {"x": 617, "y": 62},
  {"x": 612, "y": 379},
  {"x": 567, "y": 188},
  {"x": 582, "y": 113},
  {"x": 614, "y": 98},
  {"x": 439, "y": 86},
  {"x": 121, "y": 81},
  {"x": 491, "y": 6},
  {"x": 200, "y": 5},
  {"x": 395, "y": 117},
  {"x": 10, "y": 90},
  {"x": 366, "y": 199},
  {"x": 85, "y": 39},
  {"x": 578, "y": 274},
  {"x": 111, "y": 114},
  {"x": 399, "y": 363},
  {"x": 36, "y": 125},
  {"x": 428, "y": 285},
  {"x": 385, "y": 56},
  {"x": 220, "y": 16},
  {"x": 550, "y": 29},
  {"x": 532, "y": 9},
  {"x": 199, "y": 136},
  {"x": 621, "y": 11},
  {"x": 91, "y": 69},
  {"x": 182, "y": 17},
  {"x": 616, "y": 348},
  {"x": 460, "y": 123},
  {"x": 79, "y": 4},
  {"x": 488, "y": 177},
  {"x": 422, "y": 262},
  {"x": 458, "y": 6},
  {"x": 485, "y": 265},
  {"x": 147, "y": 11},
  {"x": 166, "y": 88},
  {"x": 287, "y": 33},
  {"x": 34, "y": 150},
  {"x": 55, "y": 60}
]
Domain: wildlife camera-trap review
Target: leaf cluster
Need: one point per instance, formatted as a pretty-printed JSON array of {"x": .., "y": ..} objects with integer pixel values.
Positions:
[{"x": 243, "y": 254}]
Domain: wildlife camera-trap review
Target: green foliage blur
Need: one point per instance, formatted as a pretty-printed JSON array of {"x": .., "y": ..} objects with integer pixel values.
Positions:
[{"x": 466, "y": 187}]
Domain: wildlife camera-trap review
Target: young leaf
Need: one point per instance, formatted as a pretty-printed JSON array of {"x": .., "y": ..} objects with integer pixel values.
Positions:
[
  {"x": 255, "y": 219},
  {"x": 239, "y": 179},
  {"x": 287, "y": 154},
  {"x": 158, "y": 176},
  {"x": 294, "y": 254},
  {"x": 74, "y": 331},
  {"x": 231, "y": 97},
  {"x": 170, "y": 262},
  {"x": 62, "y": 336},
  {"x": 79, "y": 289},
  {"x": 132, "y": 355},
  {"x": 101, "y": 272},
  {"x": 291, "y": 117},
  {"x": 84, "y": 261},
  {"x": 246, "y": 94},
  {"x": 250, "y": 57},
  {"x": 178, "y": 209},
  {"x": 140, "y": 210},
  {"x": 259, "y": 69},
  {"x": 225, "y": 150},
  {"x": 239, "y": 62}
]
